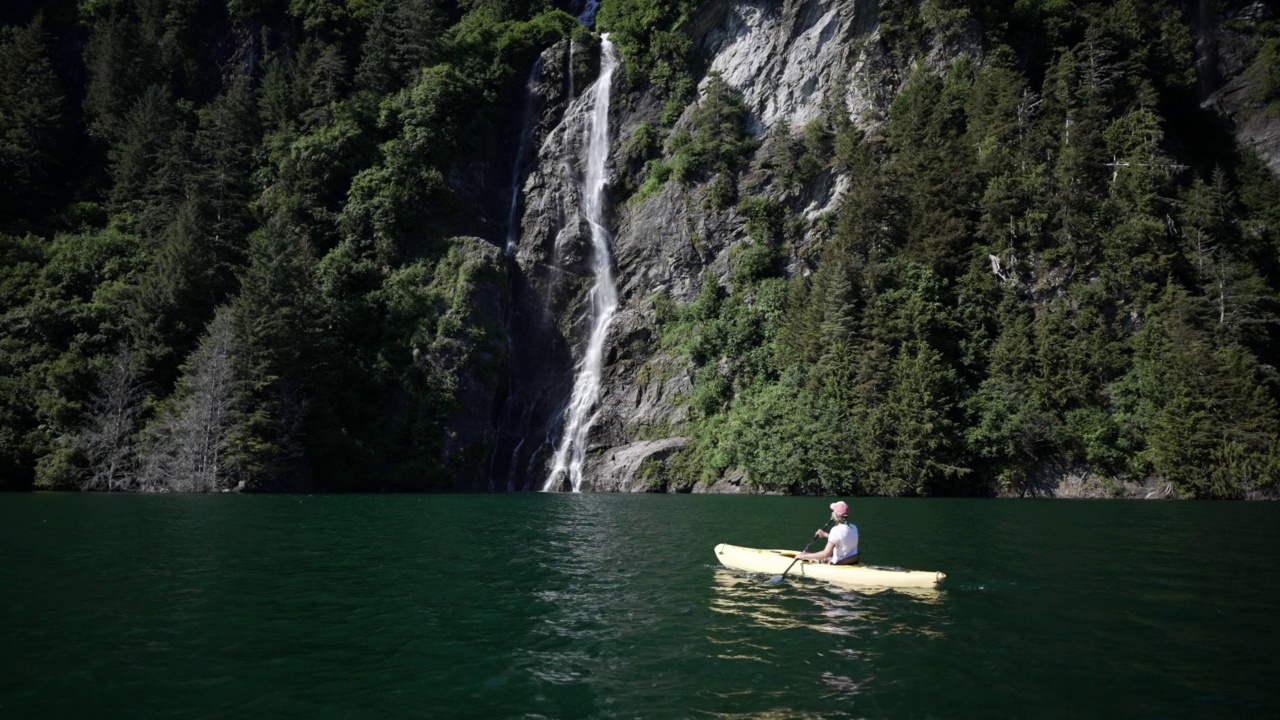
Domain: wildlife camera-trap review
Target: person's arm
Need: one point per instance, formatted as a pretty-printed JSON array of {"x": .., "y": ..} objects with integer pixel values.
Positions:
[{"x": 823, "y": 554}]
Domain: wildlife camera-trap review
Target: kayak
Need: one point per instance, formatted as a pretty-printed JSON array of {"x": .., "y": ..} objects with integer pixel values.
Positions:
[{"x": 775, "y": 562}]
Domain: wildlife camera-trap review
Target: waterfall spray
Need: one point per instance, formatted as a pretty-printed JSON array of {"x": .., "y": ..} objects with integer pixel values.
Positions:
[{"x": 603, "y": 296}]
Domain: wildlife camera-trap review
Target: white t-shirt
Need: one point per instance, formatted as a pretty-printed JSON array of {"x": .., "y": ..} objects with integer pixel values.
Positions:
[{"x": 845, "y": 538}]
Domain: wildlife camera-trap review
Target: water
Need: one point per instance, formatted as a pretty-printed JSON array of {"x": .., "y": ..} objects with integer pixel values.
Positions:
[
  {"x": 520, "y": 166},
  {"x": 584, "y": 605},
  {"x": 603, "y": 296},
  {"x": 587, "y": 14}
]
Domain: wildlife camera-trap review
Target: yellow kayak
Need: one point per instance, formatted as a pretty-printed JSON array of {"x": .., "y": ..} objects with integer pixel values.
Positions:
[{"x": 775, "y": 562}]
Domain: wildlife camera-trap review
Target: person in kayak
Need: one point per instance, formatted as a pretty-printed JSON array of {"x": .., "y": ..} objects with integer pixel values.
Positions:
[{"x": 842, "y": 541}]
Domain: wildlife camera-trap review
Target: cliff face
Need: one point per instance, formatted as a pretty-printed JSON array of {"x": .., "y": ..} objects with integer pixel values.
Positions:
[
  {"x": 1232, "y": 75},
  {"x": 789, "y": 60}
]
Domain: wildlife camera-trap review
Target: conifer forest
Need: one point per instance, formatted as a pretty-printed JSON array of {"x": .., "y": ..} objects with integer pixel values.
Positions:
[{"x": 282, "y": 245}]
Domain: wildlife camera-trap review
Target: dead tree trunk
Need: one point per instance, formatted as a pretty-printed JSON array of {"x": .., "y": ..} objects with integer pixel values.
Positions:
[{"x": 109, "y": 439}]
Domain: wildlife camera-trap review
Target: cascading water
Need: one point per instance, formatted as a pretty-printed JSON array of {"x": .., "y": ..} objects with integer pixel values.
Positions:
[
  {"x": 519, "y": 166},
  {"x": 588, "y": 14},
  {"x": 603, "y": 296},
  {"x": 519, "y": 170},
  {"x": 572, "y": 89}
]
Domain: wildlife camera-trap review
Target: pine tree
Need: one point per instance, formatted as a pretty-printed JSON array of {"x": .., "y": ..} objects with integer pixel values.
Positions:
[
  {"x": 1237, "y": 297},
  {"x": 192, "y": 437},
  {"x": 1137, "y": 250},
  {"x": 1208, "y": 423},
  {"x": 1074, "y": 119},
  {"x": 224, "y": 147},
  {"x": 404, "y": 36},
  {"x": 31, "y": 121},
  {"x": 176, "y": 295},
  {"x": 930, "y": 160},
  {"x": 276, "y": 318},
  {"x": 1003, "y": 114},
  {"x": 1010, "y": 427},
  {"x": 148, "y": 162},
  {"x": 121, "y": 63}
]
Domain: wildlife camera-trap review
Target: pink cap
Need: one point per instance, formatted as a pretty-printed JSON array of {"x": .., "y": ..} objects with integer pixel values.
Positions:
[{"x": 840, "y": 508}]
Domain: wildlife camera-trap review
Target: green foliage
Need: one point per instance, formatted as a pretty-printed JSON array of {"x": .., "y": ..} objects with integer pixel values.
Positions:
[
  {"x": 403, "y": 36},
  {"x": 1041, "y": 259},
  {"x": 796, "y": 160},
  {"x": 1209, "y": 424},
  {"x": 712, "y": 148},
  {"x": 492, "y": 51},
  {"x": 64, "y": 302},
  {"x": 1265, "y": 70},
  {"x": 649, "y": 35},
  {"x": 1024, "y": 275},
  {"x": 717, "y": 141},
  {"x": 31, "y": 120}
]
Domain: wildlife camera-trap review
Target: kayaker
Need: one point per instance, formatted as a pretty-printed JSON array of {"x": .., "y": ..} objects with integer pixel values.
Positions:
[{"x": 842, "y": 541}]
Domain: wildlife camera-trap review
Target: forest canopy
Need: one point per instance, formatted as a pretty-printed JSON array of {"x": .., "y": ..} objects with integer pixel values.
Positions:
[{"x": 239, "y": 248}]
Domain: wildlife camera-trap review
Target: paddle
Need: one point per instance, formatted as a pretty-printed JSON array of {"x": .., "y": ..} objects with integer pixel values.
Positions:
[{"x": 778, "y": 578}]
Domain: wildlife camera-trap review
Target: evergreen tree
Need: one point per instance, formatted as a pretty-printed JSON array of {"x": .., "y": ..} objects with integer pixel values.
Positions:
[
  {"x": 175, "y": 297},
  {"x": 930, "y": 160},
  {"x": 276, "y": 320},
  {"x": 404, "y": 36},
  {"x": 1208, "y": 424},
  {"x": 1074, "y": 119},
  {"x": 224, "y": 145},
  {"x": 31, "y": 121},
  {"x": 148, "y": 162},
  {"x": 121, "y": 63}
]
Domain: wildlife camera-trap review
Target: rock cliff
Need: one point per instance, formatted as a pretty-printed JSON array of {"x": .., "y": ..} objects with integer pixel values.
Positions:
[
  {"x": 1232, "y": 75},
  {"x": 789, "y": 60}
]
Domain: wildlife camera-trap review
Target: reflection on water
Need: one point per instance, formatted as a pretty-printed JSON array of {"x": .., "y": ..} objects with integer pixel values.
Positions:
[
  {"x": 576, "y": 627},
  {"x": 859, "y": 628},
  {"x": 748, "y": 595}
]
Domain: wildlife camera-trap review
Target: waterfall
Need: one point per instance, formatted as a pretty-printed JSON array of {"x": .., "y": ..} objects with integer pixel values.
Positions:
[
  {"x": 519, "y": 166},
  {"x": 571, "y": 87},
  {"x": 603, "y": 296},
  {"x": 519, "y": 169},
  {"x": 588, "y": 15}
]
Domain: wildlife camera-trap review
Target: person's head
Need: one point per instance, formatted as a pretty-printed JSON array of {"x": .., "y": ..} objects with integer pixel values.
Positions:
[{"x": 840, "y": 511}]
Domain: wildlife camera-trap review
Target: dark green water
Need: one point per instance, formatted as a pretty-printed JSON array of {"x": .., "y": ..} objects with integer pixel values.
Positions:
[{"x": 614, "y": 606}]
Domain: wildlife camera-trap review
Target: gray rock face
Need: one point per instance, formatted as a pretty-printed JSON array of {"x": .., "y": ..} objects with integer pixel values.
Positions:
[
  {"x": 1230, "y": 78},
  {"x": 790, "y": 60},
  {"x": 1255, "y": 126},
  {"x": 787, "y": 57},
  {"x": 622, "y": 469},
  {"x": 477, "y": 352},
  {"x": 786, "y": 60}
]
